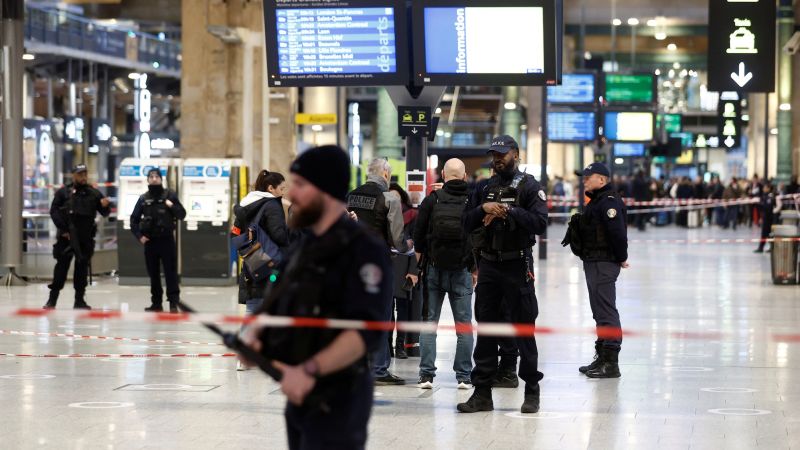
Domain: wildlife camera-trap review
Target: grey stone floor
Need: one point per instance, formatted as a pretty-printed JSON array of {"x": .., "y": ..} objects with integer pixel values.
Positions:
[{"x": 739, "y": 390}]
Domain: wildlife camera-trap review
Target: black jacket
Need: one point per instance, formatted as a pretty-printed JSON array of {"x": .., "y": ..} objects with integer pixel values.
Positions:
[
  {"x": 177, "y": 210},
  {"x": 273, "y": 221},
  {"x": 422, "y": 230},
  {"x": 609, "y": 212},
  {"x": 84, "y": 222}
]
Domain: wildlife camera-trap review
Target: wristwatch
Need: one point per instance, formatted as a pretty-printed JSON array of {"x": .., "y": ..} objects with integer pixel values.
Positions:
[{"x": 311, "y": 368}]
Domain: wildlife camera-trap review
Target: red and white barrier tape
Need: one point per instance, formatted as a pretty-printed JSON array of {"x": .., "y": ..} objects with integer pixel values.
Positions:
[
  {"x": 119, "y": 356},
  {"x": 103, "y": 338},
  {"x": 562, "y": 201},
  {"x": 701, "y": 241},
  {"x": 487, "y": 329}
]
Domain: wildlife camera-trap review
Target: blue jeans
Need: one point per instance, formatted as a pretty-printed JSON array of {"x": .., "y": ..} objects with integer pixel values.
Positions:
[
  {"x": 382, "y": 357},
  {"x": 458, "y": 287}
]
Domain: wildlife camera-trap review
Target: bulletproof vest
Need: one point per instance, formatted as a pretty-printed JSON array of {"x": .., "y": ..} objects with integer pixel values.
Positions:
[
  {"x": 82, "y": 202},
  {"x": 593, "y": 237},
  {"x": 369, "y": 204},
  {"x": 446, "y": 235},
  {"x": 506, "y": 235},
  {"x": 301, "y": 292},
  {"x": 156, "y": 216}
]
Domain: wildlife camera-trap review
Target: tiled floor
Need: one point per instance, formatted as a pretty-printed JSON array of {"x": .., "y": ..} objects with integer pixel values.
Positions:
[{"x": 671, "y": 395}]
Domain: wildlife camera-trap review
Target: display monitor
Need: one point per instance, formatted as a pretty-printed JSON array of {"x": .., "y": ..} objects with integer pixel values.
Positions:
[
  {"x": 485, "y": 42},
  {"x": 628, "y": 126},
  {"x": 672, "y": 123},
  {"x": 571, "y": 126},
  {"x": 575, "y": 88},
  {"x": 629, "y": 88},
  {"x": 632, "y": 149},
  {"x": 350, "y": 43}
]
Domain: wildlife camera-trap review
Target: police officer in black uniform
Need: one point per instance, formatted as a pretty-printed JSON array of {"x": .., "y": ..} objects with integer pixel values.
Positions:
[
  {"x": 504, "y": 214},
  {"x": 153, "y": 223},
  {"x": 602, "y": 244},
  {"x": 73, "y": 212},
  {"x": 338, "y": 269}
]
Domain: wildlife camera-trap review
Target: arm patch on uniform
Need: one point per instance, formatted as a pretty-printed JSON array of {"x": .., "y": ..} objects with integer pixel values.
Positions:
[
  {"x": 371, "y": 275},
  {"x": 542, "y": 195},
  {"x": 361, "y": 202},
  {"x": 611, "y": 213}
]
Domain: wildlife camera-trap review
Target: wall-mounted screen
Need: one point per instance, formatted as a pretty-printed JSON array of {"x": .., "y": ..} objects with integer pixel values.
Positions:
[
  {"x": 632, "y": 149},
  {"x": 629, "y": 88},
  {"x": 351, "y": 43},
  {"x": 628, "y": 126},
  {"x": 575, "y": 88},
  {"x": 459, "y": 42},
  {"x": 571, "y": 126},
  {"x": 672, "y": 123}
]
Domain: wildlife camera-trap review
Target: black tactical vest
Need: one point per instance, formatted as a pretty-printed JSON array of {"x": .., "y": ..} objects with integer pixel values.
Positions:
[
  {"x": 594, "y": 241},
  {"x": 506, "y": 235},
  {"x": 82, "y": 202},
  {"x": 369, "y": 204},
  {"x": 156, "y": 216}
]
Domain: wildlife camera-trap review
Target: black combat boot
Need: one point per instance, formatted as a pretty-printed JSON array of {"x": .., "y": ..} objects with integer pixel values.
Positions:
[
  {"x": 81, "y": 304},
  {"x": 155, "y": 307},
  {"x": 505, "y": 378},
  {"x": 173, "y": 307},
  {"x": 598, "y": 345},
  {"x": 531, "y": 403},
  {"x": 609, "y": 367},
  {"x": 400, "y": 346},
  {"x": 481, "y": 400},
  {"x": 51, "y": 300}
]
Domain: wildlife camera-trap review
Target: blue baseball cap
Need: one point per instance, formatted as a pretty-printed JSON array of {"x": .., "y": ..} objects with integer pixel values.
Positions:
[
  {"x": 79, "y": 168},
  {"x": 594, "y": 168},
  {"x": 503, "y": 144}
]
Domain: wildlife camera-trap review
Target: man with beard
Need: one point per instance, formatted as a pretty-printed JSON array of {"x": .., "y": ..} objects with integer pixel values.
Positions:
[
  {"x": 337, "y": 270},
  {"x": 73, "y": 211},
  {"x": 153, "y": 224},
  {"x": 503, "y": 215}
]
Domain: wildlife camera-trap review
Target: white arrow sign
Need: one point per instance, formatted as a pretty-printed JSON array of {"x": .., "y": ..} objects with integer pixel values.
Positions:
[
  {"x": 729, "y": 142},
  {"x": 414, "y": 130},
  {"x": 741, "y": 78}
]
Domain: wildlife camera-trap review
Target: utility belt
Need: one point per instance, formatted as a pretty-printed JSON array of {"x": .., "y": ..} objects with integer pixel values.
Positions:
[{"x": 502, "y": 256}]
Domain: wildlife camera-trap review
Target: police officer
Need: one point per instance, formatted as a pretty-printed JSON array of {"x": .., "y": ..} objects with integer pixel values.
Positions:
[
  {"x": 337, "y": 270},
  {"x": 153, "y": 224},
  {"x": 73, "y": 212},
  {"x": 603, "y": 246},
  {"x": 504, "y": 214},
  {"x": 380, "y": 209}
]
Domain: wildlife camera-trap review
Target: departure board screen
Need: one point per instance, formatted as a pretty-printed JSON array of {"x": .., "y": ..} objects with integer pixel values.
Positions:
[
  {"x": 629, "y": 89},
  {"x": 629, "y": 126},
  {"x": 575, "y": 88},
  {"x": 349, "y": 43},
  {"x": 571, "y": 126},
  {"x": 629, "y": 149}
]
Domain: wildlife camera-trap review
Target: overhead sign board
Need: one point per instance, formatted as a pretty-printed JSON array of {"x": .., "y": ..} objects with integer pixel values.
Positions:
[
  {"x": 315, "y": 119},
  {"x": 741, "y": 45},
  {"x": 575, "y": 88},
  {"x": 342, "y": 43},
  {"x": 571, "y": 126},
  {"x": 413, "y": 121},
  {"x": 729, "y": 123},
  {"x": 628, "y": 89}
]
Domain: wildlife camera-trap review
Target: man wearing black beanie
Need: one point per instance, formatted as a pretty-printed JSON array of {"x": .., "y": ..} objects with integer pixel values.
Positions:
[{"x": 336, "y": 271}]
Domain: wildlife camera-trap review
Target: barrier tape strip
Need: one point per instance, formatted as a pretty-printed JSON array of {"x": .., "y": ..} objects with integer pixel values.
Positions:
[
  {"x": 59, "y": 186},
  {"x": 701, "y": 241},
  {"x": 119, "y": 356},
  {"x": 103, "y": 338},
  {"x": 671, "y": 209},
  {"x": 487, "y": 329}
]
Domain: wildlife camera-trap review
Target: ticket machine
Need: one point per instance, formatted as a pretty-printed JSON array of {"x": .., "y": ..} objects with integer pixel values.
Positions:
[
  {"x": 209, "y": 190},
  {"x": 132, "y": 184}
]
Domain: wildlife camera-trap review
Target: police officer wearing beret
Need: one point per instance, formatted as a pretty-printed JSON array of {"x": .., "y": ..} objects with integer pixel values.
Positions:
[
  {"x": 153, "y": 224},
  {"x": 503, "y": 216},
  {"x": 73, "y": 211},
  {"x": 338, "y": 269},
  {"x": 603, "y": 246}
]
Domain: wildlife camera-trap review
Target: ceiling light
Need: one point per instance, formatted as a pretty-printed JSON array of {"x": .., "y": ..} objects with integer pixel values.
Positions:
[
  {"x": 633, "y": 21},
  {"x": 672, "y": 47},
  {"x": 440, "y": 133},
  {"x": 660, "y": 36},
  {"x": 671, "y": 73},
  {"x": 616, "y": 22},
  {"x": 438, "y": 110},
  {"x": 28, "y": 56},
  {"x": 676, "y": 65},
  {"x": 658, "y": 72},
  {"x": 510, "y": 106},
  {"x": 684, "y": 72},
  {"x": 134, "y": 75},
  {"x": 587, "y": 55},
  {"x": 785, "y": 107},
  {"x": 316, "y": 127},
  {"x": 619, "y": 161},
  {"x": 652, "y": 22},
  {"x": 773, "y": 131}
]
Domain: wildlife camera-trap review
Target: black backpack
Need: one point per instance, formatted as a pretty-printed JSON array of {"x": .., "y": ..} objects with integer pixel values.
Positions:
[{"x": 446, "y": 235}]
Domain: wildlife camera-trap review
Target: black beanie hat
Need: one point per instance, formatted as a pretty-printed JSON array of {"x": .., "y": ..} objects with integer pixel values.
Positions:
[{"x": 327, "y": 168}]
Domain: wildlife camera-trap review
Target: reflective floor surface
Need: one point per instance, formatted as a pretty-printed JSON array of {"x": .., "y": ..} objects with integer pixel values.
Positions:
[{"x": 735, "y": 385}]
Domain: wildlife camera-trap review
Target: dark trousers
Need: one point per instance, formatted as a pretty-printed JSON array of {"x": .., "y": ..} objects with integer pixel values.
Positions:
[
  {"x": 63, "y": 253},
  {"x": 344, "y": 427},
  {"x": 766, "y": 228},
  {"x": 505, "y": 286},
  {"x": 158, "y": 251},
  {"x": 507, "y": 348},
  {"x": 601, "y": 277}
]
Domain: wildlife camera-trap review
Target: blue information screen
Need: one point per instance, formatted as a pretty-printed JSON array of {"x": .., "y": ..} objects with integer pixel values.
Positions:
[
  {"x": 575, "y": 88},
  {"x": 336, "y": 41},
  {"x": 571, "y": 126},
  {"x": 629, "y": 149}
]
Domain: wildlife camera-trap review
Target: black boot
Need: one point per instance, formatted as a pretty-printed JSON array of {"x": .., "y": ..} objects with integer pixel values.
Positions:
[
  {"x": 400, "y": 351},
  {"x": 531, "y": 403},
  {"x": 598, "y": 345},
  {"x": 609, "y": 367},
  {"x": 51, "y": 301},
  {"x": 173, "y": 307},
  {"x": 505, "y": 378},
  {"x": 481, "y": 400},
  {"x": 155, "y": 307}
]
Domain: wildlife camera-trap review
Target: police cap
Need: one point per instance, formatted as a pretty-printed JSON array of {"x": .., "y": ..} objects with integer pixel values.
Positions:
[
  {"x": 503, "y": 144},
  {"x": 79, "y": 168},
  {"x": 594, "y": 168}
]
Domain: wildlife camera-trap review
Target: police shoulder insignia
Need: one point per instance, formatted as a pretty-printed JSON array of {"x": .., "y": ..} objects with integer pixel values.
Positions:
[
  {"x": 611, "y": 213},
  {"x": 542, "y": 195},
  {"x": 371, "y": 275}
]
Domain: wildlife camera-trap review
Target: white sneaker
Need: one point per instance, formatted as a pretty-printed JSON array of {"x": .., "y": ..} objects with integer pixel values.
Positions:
[
  {"x": 425, "y": 382},
  {"x": 463, "y": 385}
]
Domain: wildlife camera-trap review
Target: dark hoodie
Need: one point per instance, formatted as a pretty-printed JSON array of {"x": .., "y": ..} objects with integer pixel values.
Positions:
[{"x": 422, "y": 227}]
